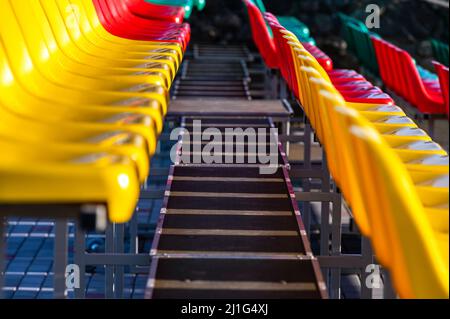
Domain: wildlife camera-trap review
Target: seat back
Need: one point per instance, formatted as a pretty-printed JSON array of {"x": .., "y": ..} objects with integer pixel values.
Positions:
[
  {"x": 347, "y": 177},
  {"x": 200, "y": 4},
  {"x": 287, "y": 68},
  {"x": 260, "y": 5},
  {"x": 440, "y": 51},
  {"x": 21, "y": 64},
  {"x": 418, "y": 266},
  {"x": 364, "y": 47},
  {"x": 312, "y": 81},
  {"x": 442, "y": 72},
  {"x": 399, "y": 73},
  {"x": 347, "y": 33},
  {"x": 155, "y": 11},
  {"x": 261, "y": 36},
  {"x": 118, "y": 20},
  {"x": 186, "y": 4}
]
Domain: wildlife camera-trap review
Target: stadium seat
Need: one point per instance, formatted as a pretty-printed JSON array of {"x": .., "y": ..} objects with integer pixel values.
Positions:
[
  {"x": 291, "y": 23},
  {"x": 93, "y": 25},
  {"x": 187, "y": 5},
  {"x": 331, "y": 115},
  {"x": 75, "y": 175},
  {"x": 359, "y": 41},
  {"x": 118, "y": 20},
  {"x": 321, "y": 57},
  {"x": 440, "y": 51},
  {"x": 364, "y": 48},
  {"x": 352, "y": 85},
  {"x": 400, "y": 74},
  {"x": 92, "y": 110},
  {"x": 390, "y": 121},
  {"x": 35, "y": 72},
  {"x": 418, "y": 254},
  {"x": 424, "y": 164},
  {"x": 347, "y": 34},
  {"x": 155, "y": 11},
  {"x": 86, "y": 56},
  {"x": 262, "y": 36},
  {"x": 442, "y": 72},
  {"x": 432, "y": 198}
]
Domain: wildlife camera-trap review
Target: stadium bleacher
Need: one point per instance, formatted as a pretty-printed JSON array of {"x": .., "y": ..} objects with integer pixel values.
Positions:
[
  {"x": 370, "y": 130},
  {"x": 91, "y": 91}
]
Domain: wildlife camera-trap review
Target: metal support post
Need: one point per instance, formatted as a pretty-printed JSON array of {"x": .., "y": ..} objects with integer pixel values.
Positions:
[
  {"x": 388, "y": 289},
  {"x": 336, "y": 243},
  {"x": 119, "y": 270},
  {"x": 367, "y": 255},
  {"x": 3, "y": 252},
  {"x": 60, "y": 258},
  {"x": 305, "y": 182},
  {"x": 79, "y": 259},
  {"x": 109, "y": 269}
]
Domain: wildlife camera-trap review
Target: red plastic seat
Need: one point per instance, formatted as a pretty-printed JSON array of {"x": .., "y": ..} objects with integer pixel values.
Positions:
[
  {"x": 373, "y": 96},
  {"x": 343, "y": 76},
  {"x": 117, "y": 18},
  {"x": 399, "y": 73},
  {"x": 263, "y": 40},
  {"x": 120, "y": 11},
  {"x": 352, "y": 85},
  {"x": 148, "y": 10},
  {"x": 442, "y": 72},
  {"x": 123, "y": 23},
  {"x": 324, "y": 60},
  {"x": 287, "y": 66}
]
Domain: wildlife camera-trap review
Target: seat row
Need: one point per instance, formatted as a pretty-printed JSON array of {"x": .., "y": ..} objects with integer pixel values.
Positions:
[
  {"x": 391, "y": 173},
  {"x": 353, "y": 86},
  {"x": 398, "y": 70},
  {"x": 83, "y": 94},
  {"x": 399, "y": 73},
  {"x": 358, "y": 39}
]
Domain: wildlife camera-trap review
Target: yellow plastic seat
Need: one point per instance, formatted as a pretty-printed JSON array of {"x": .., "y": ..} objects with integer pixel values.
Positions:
[
  {"x": 105, "y": 136},
  {"x": 435, "y": 197},
  {"x": 12, "y": 93},
  {"x": 73, "y": 176},
  {"x": 97, "y": 33},
  {"x": 339, "y": 163},
  {"x": 366, "y": 185},
  {"x": 387, "y": 120},
  {"x": 16, "y": 104},
  {"x": 405, "y": 150},
  {"x": 43, "y": 65},
  {"x": 419, "y": 254},
  {"x": 66, "y": 25},
  {"x": 81, "y": 109}
]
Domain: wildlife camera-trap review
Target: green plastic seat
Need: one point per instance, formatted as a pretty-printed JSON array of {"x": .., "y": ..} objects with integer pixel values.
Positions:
[
  {"x": 358, "y": 38},
  {"x": 200, "y": 4},
  {"x": 298, "y": 28},
  {"x": 188, "y": 5},
  {"x": 440, "y": 51},
  {"x": 291, "y": 23},
  {"x": 347, "y": 33},
  {"x": 363, "y": 46}
]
